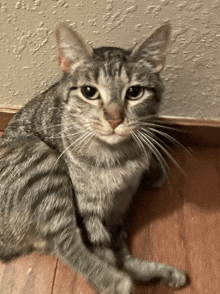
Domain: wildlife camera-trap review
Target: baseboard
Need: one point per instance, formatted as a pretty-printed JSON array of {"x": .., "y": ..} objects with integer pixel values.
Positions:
[{"x": 5, "y": 116}]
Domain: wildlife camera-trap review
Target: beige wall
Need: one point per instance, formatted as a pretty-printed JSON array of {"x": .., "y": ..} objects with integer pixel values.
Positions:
[{"x": 28, "y": 57}]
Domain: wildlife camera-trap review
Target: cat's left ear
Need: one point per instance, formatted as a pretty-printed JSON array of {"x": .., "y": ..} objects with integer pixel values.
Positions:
[
  {"x": 153, "y": 49},
  {"x": 71, "y": 47}
]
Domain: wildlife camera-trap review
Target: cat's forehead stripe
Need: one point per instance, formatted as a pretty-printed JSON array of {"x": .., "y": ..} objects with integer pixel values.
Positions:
[{"x": 113, "y": 71}]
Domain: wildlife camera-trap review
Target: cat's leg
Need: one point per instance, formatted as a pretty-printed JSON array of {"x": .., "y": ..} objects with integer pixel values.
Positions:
[
  {"x": 92, "y": 210},
  {"x": 68, "y": 246},
  {"x": 147, "y": 271},
  {"x": 117, "y": 253},
  {"x": 62, "y": 235},
  {"x": 106, "y": 253},
  {"x": 97, "y": 232}
]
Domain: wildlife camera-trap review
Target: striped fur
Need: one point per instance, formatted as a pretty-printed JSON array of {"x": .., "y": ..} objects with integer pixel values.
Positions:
[{"x": 69, "y": 164}]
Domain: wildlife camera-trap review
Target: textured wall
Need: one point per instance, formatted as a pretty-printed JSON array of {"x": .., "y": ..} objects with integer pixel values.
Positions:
[{"x": 28, "y": 57}]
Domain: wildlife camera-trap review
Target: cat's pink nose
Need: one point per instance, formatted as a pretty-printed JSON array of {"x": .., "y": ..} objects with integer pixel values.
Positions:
[{"x": 115, "y": 122}]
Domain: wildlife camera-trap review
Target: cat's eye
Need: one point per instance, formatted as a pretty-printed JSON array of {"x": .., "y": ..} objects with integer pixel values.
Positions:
[
  {"x": 135, "y": 92},
  {"x": 90, "y": 92}
]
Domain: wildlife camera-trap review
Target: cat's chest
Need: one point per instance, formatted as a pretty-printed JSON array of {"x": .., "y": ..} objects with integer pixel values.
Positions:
[
  {"x": 111, "y": 190},
  {"x": 106, "y": 180}
]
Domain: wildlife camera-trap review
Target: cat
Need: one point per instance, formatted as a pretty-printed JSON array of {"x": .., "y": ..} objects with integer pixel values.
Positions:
[{"x": 72, "y": 158}]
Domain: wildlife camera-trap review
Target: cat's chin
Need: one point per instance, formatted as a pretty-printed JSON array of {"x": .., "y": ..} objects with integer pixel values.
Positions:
[{"x": 113, "y": 138}]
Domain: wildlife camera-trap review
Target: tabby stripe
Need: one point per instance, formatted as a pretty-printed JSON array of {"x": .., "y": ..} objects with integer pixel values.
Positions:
[
  {"x": 43, "y": 157},
  {"x": 66, "y": 244},
  {"x": 39, "y": 180},
  {"x": 56, "y": 226},
  {"x": 21, "y": 162},
  {"x": 56, "y": 211},
  {"x": 48, "y": 233},
  {"x": 42, "y": 194}
]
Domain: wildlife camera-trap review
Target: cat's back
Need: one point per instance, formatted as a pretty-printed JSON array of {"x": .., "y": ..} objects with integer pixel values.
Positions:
[{"x": 34, "y": 118}]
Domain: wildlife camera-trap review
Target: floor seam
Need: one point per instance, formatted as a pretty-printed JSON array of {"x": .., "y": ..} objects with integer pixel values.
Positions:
[{"x": 54, "y": 277}]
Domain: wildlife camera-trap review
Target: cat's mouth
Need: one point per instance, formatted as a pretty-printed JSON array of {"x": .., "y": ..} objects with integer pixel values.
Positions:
[
  {"x": 112, "y": 135},
  {"x": 113, "y": 138}
]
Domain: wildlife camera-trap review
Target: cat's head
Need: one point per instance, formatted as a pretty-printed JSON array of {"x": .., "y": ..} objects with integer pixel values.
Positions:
[{"x": 112, "y": 90}]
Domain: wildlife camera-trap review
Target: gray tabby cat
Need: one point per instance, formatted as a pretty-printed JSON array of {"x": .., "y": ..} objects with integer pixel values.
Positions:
[{"x": 72, "y": 158}]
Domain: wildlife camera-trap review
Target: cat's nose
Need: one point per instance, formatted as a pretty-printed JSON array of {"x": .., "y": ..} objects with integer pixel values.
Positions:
[
  {"x": 114, "y": 116},
  {"x": 115, "y": 122}
]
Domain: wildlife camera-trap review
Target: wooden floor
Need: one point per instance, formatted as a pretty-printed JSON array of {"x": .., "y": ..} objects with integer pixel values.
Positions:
[{"x": 178, "y": 224}]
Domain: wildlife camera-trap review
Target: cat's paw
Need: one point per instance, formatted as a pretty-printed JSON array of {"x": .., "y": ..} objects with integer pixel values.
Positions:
[
  {"x": 122, "y": 284},
  {"x": 98, "y": 233},
  {"x": 100, "y": 237},
  {"x": 125, "y": 286},
  {"x": 107, "y": 254},
  {"x": 174, "y": 278}
]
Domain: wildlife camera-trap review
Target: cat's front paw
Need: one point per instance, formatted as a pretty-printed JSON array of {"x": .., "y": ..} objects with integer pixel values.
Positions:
[
  {"x": 100, "y": 237},
  {"x": 98, "y": 233},
  {"x": 106, "y": 253},
  {"x": 118, "y": 283},
  {"x": 124, "y": 285},
  {"x": 174, "y": 278}
]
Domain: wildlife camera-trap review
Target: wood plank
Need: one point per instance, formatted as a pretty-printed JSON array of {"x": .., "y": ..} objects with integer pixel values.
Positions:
[
  {"x": 5, "y": 116},
  {"x": 183, "y": 221},
  {"x": 68, "y": 282},
  {"x": 202, "y": 218},
  {"x": 32, "y": 274}
]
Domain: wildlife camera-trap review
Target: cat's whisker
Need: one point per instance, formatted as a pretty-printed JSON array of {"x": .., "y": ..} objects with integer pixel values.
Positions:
[
  {"x": 139, "y": 143},
  {"x": 160, "y": 126},
  {"x": 81, "y": 140},
  {"x": 169, "y": 138},
  {"x": 63, "y": 132},
  {"x": 48, "y": 127},
  {"x": 67, "y": 148},
  {"x": 61, "y": 156},
  {"x": 147, "y": 140},
  {"x": 65, "y": 129},
  {"x": 53, "y": 127},
  {"x": 153, "y": 135},
  {"x": 87, "y": 140},
  {"x": 154, "y": 141},
  {"x": 59, "y": 134},
  {"x": 132, "y": 125}
]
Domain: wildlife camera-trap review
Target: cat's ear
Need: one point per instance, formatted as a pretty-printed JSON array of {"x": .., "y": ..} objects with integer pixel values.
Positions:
[
  {"x": 71, "y": 47},
  {"x": 153, "y": 49}
]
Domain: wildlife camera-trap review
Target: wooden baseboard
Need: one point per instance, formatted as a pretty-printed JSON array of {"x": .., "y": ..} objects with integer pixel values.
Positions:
[
  {"x": 193, "y": 132},
  {"x": 188, "y": 131},
  {"x": 5, "y": 116}
]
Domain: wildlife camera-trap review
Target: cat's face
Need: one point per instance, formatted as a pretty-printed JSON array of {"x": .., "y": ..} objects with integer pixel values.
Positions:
[{"x": 112, "y": 90}]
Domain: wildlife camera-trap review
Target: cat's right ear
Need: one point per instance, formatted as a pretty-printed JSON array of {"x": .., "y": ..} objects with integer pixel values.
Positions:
[{"x": 71, "y": 47}]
